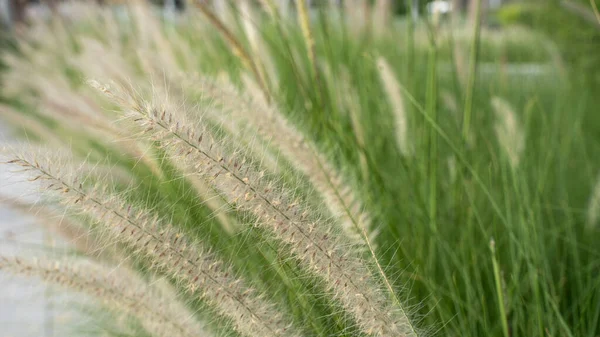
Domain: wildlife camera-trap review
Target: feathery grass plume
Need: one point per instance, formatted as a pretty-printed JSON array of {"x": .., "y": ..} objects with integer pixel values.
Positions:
[
  {"x": 149, "y": 35},
  {"x": 117, "y": 287},
  {"x": 61, "y": 101},
  {"x": 450, "y": 102},
  {"x": 394, "y": 95},
  {"x": 112, "y": 65},
  {"x": 460, "y": 64},
  {"x": 67, "y": 109},
  {"x": 251, "y": 88},
  {"x": 25, "y": 123},
  {"x": 356, "y": 15},
  {"x": 237, "y": 48},
  {"x": 595, "y": 9},
  {"x": 351, "y": 102},
  {"x": 56, "y": 221},
  {"x": 508, "y": 130},
  {"x": 260, "y": 51},
  {"x": 309, "y": 40},
  {"x": 341, "y": 201},
  {"x": 303, "y": 18},
  {"x": 275, "y": 208},
  {"x": 249, "y": 22},
  {"x": 160, "y": 47},
  {"x": 270, "y": 7},
  {"x": 213, "y": 201},
  {"x": 248, "y": 18},
  {"x": 210, "y": 198},
  {"x": 382, "y": 16},
  {"x": 593, "y": 210},
  {"x": 245, "y": 136},
  {"x": 67, "y": 106},
  {"x": 168, "y": 250}
]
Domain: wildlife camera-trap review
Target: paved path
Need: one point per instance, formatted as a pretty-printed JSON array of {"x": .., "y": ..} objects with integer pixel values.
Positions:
[{"x": 24, "y": 309}]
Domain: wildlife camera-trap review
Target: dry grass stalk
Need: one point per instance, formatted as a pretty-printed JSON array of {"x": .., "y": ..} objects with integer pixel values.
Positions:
[
  {"x": 593, "y": 211},
  {"x": 270, "y": 7},
  {"x": 245, "y": 186},
  {"x": 352, "y": 104},
  {"x": 357, "y": 14},
  {"x": 261, "y": 56},
  {"x": 118, "y": 288},
  {"x": 200, "y": 271},
  {"x": 309, "y": 40},
  {"x": 76, "y": 110},
  {"x": 276, "y": 209},
  {"x": 508, "y": 130},
  {"x": 27, "y": 124},
  {"x": 55, "y": 220},
  {"x": 394, "y": 95},
  {"x": 382, "y": 16},
  {"x": 237, "y": 48},
  {"x": 340, "y": 200}
]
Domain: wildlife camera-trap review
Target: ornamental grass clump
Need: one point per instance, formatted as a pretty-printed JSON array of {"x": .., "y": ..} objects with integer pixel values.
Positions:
[
  {"x": 159, "y": 312},
  {"x": 262, "y": 169},
  {"x": 150, "y": 131}
]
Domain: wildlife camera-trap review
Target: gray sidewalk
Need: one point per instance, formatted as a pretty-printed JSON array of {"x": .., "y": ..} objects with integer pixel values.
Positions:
[{"x": 24, "y": 309}]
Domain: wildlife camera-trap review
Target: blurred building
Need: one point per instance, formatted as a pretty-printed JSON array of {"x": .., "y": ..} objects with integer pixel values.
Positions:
[{"x": 13, "y": 12}]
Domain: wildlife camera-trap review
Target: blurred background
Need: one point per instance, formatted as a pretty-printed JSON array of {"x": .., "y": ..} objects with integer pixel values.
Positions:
[{"x": 571, "y": 25}]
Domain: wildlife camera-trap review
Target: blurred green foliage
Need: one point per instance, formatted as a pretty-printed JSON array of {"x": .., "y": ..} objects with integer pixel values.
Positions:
[{"x": 577, "y": 39}]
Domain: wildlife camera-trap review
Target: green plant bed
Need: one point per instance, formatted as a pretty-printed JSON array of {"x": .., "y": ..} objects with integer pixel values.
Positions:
[{"x": 269, "y": 177}]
